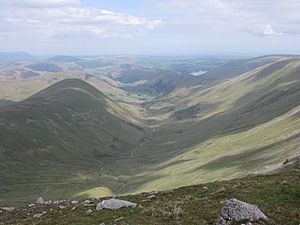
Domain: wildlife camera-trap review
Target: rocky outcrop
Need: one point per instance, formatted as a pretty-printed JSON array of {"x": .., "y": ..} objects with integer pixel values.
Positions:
[
  {"x": 235, "y": 211},
  {"x": 114, "y": 204}
]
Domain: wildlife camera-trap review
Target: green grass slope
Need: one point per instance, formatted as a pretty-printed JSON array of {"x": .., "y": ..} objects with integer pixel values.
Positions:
[
  {"x": 237, "y": 67},
  {"x": 72, "y": 141},
  {"x": 278, "y": 196},
  {"x": 57, "y": 135},
  {"x": 247, "y": 124}
]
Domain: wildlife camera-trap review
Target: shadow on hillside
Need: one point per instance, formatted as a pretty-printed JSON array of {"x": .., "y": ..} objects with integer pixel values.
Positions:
[
  {"x": 175, "y": 138},
  {"x": 270, "y": 69},
  {"x": 5, "y": 102},
  {"x": 245, "y": 160}
]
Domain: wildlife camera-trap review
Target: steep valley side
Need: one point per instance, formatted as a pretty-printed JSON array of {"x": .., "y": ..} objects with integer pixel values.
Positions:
[{"x": 72, "y": 141}]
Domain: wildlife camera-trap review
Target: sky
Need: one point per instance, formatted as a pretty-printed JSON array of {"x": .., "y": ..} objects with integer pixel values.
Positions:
[{"x": 150, "y": 27}]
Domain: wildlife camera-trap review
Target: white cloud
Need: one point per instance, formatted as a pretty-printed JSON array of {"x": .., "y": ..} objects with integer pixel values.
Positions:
[
  {"x": 39, "y": 3},
  {"x": 269, "y": 31},
  {"x": 188, "y": 26},
  {"x": 250, "y": 16},
  {"x": 57, "y": 22}
]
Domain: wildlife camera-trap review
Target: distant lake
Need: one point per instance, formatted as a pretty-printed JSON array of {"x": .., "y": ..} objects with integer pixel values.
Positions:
[{"x": 200, "y": 72}]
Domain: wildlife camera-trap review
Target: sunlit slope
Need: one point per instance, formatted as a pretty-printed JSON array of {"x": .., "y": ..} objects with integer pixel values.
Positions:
[
  {"x": 237, "y": 67},
  {"x": 70, "y": 140},
  {"x": 261, "y": 149},
  {"x": 265, "y": 86},
  {"x": 66, "y": 129},
  {"x": 248, "y": 124}
]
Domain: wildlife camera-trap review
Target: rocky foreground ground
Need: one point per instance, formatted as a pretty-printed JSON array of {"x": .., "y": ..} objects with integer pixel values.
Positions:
[{"x": 271, "y": 199}]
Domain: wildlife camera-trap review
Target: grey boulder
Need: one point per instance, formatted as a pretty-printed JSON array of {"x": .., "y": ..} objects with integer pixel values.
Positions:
[
  {"x": 114, "y": 204},
  {"x": 235, "y": 211},
  {"x": 40, "y": 200},
  {"x": 9, "y": 209},
  {"x": 37, "y": 215}
]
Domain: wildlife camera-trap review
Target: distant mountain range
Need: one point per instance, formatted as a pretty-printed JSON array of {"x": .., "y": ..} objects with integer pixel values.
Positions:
[
  {"x": 45, "y": 67},
  {"x": 64, "y": 58},
  {"x": 15, "y": 57}
]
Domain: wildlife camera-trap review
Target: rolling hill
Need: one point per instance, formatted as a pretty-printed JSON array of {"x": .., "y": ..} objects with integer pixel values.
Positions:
[
  {"x": 159, "y": 85},
  {"x": 15, "y": 57},
  {"x": 246, "y": 124},
  {"x": 238, "y": 67},
  {"x": 64, "y": 58},
  {"x": 45, "y": 67},
  {"x": 70, "y": 140},
  {"x": 60, "y": 132}
]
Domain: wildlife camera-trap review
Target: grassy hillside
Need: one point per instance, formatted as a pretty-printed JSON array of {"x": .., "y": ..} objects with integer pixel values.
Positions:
[
  {"x": 159, "y": 85},
  {"x": 72, "y": 141},
  {"x": 248, "y": 124},
  {"x": 277, "y": 196},
  {"x": 61, "y": 133},
  {"x": 237, "y": 67},
  {"x": 221, "y": 157}
]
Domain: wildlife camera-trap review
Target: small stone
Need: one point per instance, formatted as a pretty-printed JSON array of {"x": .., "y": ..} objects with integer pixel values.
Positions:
[
  {"x": 89, "y": 211},
  {"x": 37, "y": 215},
  {"x": 74, "y": 208},
  {"x": 40, "y": 200},
  {"x": 62, "y": 207},
  {"x": 119, "y": 219},
  {"x": 205, "y": 188},
  {"x": 102, "y": 224},
  {"x": 31, "y": 205},
  {"x": 151, "y": 197},
  {"x": 74, "y": 202},
  {"x": 9, "y": 209},
  {"x": 88, "y": 203},
  {"x": 114, "y": 204}
]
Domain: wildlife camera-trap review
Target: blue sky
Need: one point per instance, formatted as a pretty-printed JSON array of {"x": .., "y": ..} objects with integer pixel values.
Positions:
[{"x": 152, "y": 27}]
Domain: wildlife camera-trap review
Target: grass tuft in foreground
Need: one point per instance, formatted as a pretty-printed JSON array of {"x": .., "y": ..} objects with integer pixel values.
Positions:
[{"x": 278, "y": 196}]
